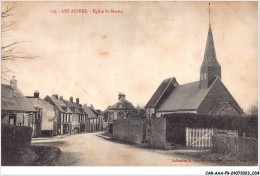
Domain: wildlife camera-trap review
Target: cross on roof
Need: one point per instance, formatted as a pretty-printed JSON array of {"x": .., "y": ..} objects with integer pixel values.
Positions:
[{"x": 209, "y": 11}]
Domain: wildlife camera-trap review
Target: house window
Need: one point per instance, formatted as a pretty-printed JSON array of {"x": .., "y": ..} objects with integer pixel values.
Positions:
[
  {"x": 201, "y": 76},
  {"x": 205, "y": 75}
]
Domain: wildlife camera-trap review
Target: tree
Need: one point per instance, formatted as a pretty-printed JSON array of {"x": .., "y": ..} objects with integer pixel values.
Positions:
[
  {"x": 253, "y": 110},
  {"x": 9, "y": 51}
]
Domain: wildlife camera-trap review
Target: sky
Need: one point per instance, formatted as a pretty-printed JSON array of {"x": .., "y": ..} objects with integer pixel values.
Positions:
[{"x": 93, "y": 57}]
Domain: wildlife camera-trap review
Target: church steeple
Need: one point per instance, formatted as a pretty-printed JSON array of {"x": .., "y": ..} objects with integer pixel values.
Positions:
[{"x": 210, "y": 68}]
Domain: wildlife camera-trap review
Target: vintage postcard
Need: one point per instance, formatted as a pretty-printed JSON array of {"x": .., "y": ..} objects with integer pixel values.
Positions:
[{"x": 129, "y": 84}]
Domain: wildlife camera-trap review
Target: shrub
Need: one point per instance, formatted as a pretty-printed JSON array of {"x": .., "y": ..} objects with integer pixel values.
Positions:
[
  {"x": 13, "y": 140},
  {"x": 244, "y": 124}
]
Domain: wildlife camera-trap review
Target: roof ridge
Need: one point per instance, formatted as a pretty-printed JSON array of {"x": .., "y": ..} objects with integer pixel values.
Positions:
[
  {"x": 188, "y": 83},
  {"x": 164, "y": 90}
]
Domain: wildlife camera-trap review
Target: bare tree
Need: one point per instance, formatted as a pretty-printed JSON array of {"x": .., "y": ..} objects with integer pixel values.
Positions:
[
  {"x": 253, "y": 110},
  {"x": 9, "y": 51}
]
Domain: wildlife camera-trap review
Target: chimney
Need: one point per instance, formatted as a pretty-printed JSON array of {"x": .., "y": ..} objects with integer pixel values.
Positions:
[
  {"x": 77, "y": 100},
  {"x": 36, "y": 94},
  {"x": 121, "y": 95},
  {"x": 55, "y": 95},
  {"x": 71, "y": 99},
  {"x": 13, "y": 82},
  {"x": 91, "y": 105},
  {"x": 61, "y": 97}
]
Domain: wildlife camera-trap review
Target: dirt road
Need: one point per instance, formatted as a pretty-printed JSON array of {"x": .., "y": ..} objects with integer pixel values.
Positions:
[{"x": 91, "y": 149}]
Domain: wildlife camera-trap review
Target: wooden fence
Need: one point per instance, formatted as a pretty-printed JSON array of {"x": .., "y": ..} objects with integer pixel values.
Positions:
[{"x": 199, "y": 137}]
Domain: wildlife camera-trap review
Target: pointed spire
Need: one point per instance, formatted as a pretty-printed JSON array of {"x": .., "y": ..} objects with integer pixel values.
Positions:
[
  {"x": 209, "y": 10},
  {"x": 210, "y": 58}
]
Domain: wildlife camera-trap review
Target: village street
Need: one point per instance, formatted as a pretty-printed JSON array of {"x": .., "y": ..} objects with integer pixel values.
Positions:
[{"x": 93, "y": 149}]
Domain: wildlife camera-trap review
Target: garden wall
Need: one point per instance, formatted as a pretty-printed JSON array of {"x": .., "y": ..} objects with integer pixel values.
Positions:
[
  {"x": 130, "y": 130},
  {"x": 158, "y": 132}
]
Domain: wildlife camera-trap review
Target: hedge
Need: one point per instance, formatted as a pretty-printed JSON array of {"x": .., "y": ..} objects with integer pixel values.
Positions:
[
  {"x": 244, "y": 124},
  {"x": 13, "y": 139}
]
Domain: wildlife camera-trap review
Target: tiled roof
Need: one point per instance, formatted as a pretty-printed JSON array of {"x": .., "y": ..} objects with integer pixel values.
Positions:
[
  {"x": 59, "y": 104},
  {"x": 122, "y": 104},
  {"x": 14, "y": 100},
  {"x": 165, "y": 87},
  {"x": 184, "y": 97},
  {"x": 73, "y": 107},
  {"x": 91, "y": 113},
  {"x": 38, "y": 102}
]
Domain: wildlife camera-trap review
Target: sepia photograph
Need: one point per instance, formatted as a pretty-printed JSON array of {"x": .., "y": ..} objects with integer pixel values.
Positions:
[{"x": 130, "y": 83}]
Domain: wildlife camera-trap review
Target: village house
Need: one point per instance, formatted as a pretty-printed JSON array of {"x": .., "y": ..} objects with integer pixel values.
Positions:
[
  {"x": 79, "y": 116},
  {"x": 83, "y": 117},
  {"x": 46, "y": 118},
  {"x": 64, "y": 114},
  {"x": 206, "y": 96},
  {"x": 92, "y": 117},
  {"x": 75, "y": 115},
  {"x": 120, "y": 110},
  {"x": 15, "y": 107},
  {"x": 100, "y": 120}
]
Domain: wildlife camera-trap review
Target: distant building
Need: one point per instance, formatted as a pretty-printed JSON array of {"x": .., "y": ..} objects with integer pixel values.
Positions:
[
  {"x": 79, "y": 116},
  {"x": 83, "y": 117},
  {"x": 92, "y": 117},
  {"x": 64, "y": 114},
  {"x": 15, "y": 107},
  {"x": 75, "y": 115},
  {"x": 46, "y": 118},
  {"x": 100, "y": 120},
  {"x": 120, "y": 110}
]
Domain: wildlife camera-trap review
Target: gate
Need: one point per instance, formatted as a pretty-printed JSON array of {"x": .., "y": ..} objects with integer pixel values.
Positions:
[{"x": 199, "y": 137}]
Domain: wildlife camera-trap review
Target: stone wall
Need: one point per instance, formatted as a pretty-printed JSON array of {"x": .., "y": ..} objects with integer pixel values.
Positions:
[
  {"x": 130, "y": 130},
  {"x": 158, "y": 132}
]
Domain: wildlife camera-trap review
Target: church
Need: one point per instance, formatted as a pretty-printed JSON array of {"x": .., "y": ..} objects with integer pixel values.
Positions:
[{"x": 206, "y": 96}]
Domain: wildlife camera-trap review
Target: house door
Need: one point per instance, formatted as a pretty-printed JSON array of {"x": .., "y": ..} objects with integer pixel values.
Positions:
[
  {"x": 199, "y": 137},
  {"x": 12, "y": 119},
  {"x": 65, "y": 129}
]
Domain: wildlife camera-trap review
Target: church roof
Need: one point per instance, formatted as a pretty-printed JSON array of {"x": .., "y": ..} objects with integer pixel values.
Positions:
[
  {"x": 219, "y": 108},
  {"x": 12, "y": 99},
  {"x": 210, "y": 58},
  {"x": 186, "y": 97},
  {"x": 164, "y": 88}
]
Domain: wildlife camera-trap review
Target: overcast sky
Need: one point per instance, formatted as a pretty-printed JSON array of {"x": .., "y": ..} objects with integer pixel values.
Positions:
[{"x": 96, "y": 56}]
